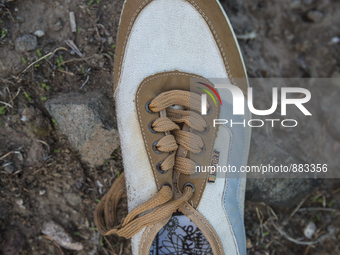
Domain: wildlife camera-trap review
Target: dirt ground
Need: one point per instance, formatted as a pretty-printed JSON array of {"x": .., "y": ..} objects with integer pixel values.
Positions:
[{"x": 43, "y": 179}]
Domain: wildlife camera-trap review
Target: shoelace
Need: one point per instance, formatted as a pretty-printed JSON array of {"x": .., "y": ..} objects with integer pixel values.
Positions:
[{"x": 165, "y": 202}]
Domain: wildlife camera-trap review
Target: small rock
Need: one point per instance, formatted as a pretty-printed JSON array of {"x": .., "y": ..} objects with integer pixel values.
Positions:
[
  {"x": 19, "y": 156},
  {"x": 110, "y": 40},
  {"x": 26, "y": 43},
  {"x": 309, "y": 230},
  {"x": 249, "y": 244},
  {"x": 36, "y": 154},
  {"x": 334, "y": 40},
  {"x": 39, "y": 33},
  {"x": 315, "y": 16},
  {"x": 60, "y": 236},
  {"x": 89, "y": 122},
  {"x": 58, "y": 25},
  {"x": 42, "y": 192},
  {"x": 73, "y": 199},
  {"x": 27, "y": 114},
  {"x": 19, "y": 201},
  {"x": 9, "y": 168},
  {"x": 21, "y": 19}
]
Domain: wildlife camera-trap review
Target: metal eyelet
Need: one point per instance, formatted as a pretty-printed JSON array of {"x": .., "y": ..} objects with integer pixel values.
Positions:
[
  {"x": 147, "y": 107},
  {"x": 167, "y": 184},
  {"x": 158, "y": 167},
  {"x": 189, "y": 184},
  {"x": 150, "y": 127},
  {"x": 154, "y": 147},
  {"x": 203, "y": 150},
  {"x": 205, "y": 131}
]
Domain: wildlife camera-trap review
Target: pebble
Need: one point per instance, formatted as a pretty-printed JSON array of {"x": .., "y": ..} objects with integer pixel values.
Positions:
[
  {"x": 19, "y": 201},
  {"x": 315, "y": 16},
  {"x": 309, "y": 230},
  {"x": 39, "y": 33},
  {"x": 89, "y": 123},
  {"x": 60, "y": 236},
  {"x": 26, "y": 43},
  {"x": 9, "y": 169},
  {"x": 110, "y": 40},
  {"x": 42, "y": 192},
  {"x": 21, "y": 19},
  {"x": 249, "y": 244},
  {"x": 58, "y": 25}
]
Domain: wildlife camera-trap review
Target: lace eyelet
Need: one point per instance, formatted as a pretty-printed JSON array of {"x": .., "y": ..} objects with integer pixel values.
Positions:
[
  {"x": 203, "y": 150},
  {"x": 158, "y": 167},
  {"x": 189, "y": 184},
  {"x": 147, "y": 107},
  {"x": 150, "y": 127},
  {"x": 154, "y": 147},
  {"x": 167, "y": 184},
  {"x": 205, "y": 131}
]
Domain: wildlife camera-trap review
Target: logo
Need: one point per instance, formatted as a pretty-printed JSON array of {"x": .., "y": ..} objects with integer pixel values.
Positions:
[
  {"x": 204, "y": 97},
  {"x": 239, "y": 104}
]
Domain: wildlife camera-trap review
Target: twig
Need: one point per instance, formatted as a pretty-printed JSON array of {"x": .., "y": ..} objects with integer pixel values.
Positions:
[
  {"x": 49, "y": 238},
  {"x": 87, "y": 79},
  {"x": 105, "y": 30},
  {"x": 285, "y": 222},
  {"x": 285, "y": 235},
  {"x": 40, "y": 141},
  {"x": 335, "y": 191},
  {"x": 73, "y": 22},
  {"x": 76, "y": 59},
  {"x": 318, "y": 209},
  {"x": 112, "y": 250},
  {"x": 6, "y": 104},
  {"x": 250, "y": 36},
  {"x": 109, "y": 57},
  {"x": 74, "y": 47},
  {"x": 65, "y": 72},
  {"x": 49, "y": 54},
  {"x": 16, "y": 95},
  {"x": 10, "y": 96},
  {"x": 9, "y": 153}
]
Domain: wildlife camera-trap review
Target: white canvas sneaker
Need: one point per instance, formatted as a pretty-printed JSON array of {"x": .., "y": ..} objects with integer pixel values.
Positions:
[{"x": 170, "y": 55}]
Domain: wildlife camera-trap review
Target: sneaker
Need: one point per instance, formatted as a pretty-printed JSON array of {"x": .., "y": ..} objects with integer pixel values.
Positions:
[{"x": 170, "y": 55}]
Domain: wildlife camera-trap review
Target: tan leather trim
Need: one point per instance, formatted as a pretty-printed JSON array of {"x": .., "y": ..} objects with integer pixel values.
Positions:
[
  {"x": 219, "y": 26},
  {"x": 149, "y": 235},
  {"x": 147, "y": 91},
  {"x": 205, "y": 227}
]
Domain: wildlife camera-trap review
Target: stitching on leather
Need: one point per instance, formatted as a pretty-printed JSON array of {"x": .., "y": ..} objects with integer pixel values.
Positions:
[
  {"x": 207, "y": 225},
  {"x": 140, "y": 121},
  {"x": 216, "y": 38},
  {"x": 210, "y": 153},
  {"x": 127, "y": 36},
  {"x": 141, "y": 7},
  {"x": 143, "y": 241}
]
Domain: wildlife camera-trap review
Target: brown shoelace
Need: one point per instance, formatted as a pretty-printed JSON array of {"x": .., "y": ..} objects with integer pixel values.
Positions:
[{"x": 164, "y": 203}]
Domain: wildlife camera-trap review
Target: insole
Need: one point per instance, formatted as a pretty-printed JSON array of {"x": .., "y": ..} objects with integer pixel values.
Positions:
[{"x": 180, "y": 236}]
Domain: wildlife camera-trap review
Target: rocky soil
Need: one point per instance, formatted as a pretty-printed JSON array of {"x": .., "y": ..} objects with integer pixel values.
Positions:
[{"x": 49, "y": 188}]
